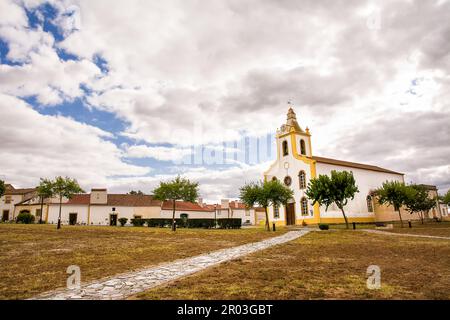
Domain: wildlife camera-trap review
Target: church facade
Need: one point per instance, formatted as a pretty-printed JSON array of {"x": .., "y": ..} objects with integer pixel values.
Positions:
[{"x": 296, "y": 165}]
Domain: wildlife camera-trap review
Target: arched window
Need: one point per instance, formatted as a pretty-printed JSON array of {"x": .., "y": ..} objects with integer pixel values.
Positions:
[
  {"x": 369, "y": 203},
  {"x": 302, "y": 179},
  {"x": 276, "y": 211},
  {"x": 302, "y": 147},
  {"x": 304, "y": 205},
  {"x": 285, "y": 148}
]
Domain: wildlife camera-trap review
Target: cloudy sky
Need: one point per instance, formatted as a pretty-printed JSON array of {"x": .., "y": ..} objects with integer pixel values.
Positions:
[{"x": 122, "y": 94}]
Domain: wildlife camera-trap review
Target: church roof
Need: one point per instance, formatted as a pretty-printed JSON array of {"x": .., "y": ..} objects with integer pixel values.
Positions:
[{"x": 353, "y": 165}]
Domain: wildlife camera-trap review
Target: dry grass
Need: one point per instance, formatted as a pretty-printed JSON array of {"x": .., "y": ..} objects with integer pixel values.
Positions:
[
  {"x": 325, "y": 265},
  {"x": 34, "y": 258},
  {"x": 441, "y": 229}
]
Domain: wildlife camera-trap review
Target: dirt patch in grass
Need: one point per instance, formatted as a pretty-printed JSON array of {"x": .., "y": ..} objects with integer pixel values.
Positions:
[
  {"x": 325, "y": 265},
  {"x": 34, "y": 258}
]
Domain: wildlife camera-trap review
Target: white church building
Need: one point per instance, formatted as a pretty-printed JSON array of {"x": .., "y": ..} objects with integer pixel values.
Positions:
[{"x": 296, "y": 165}]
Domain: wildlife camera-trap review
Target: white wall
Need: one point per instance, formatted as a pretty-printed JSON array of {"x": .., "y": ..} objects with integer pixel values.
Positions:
[
  {"x": 191, "y": 214},
  {"x": 99, "y": 214},
  {"x": 80, "y": 210},
  {"x": 366, "y": 180},
  {"x": 245, "y": 215}
]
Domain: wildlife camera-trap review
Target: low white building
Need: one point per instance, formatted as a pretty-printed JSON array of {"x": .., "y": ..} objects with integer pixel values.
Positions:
[
  {"x": 99, "y": 208},
  {"x": 11, "y": 198},
  {"x": 197, "y": 210},
  {"x": 236, "y": 209}
]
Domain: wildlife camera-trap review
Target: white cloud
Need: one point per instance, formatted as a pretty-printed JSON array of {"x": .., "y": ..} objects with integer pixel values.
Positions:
[
  {"x": 187, "y": 73},
  {"x": 173, "y": 154},
  {"x": 34, "y": 145}
]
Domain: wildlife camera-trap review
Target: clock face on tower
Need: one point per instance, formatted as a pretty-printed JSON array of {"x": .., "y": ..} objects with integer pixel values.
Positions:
[{"x": 287, "y": 181}]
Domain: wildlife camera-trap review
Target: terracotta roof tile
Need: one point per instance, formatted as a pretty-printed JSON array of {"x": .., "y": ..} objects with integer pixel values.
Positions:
[
  {"x": 125, "y": 200},
  {"x": 187, "y": 206},
  {"x": 79, "y": 199},
  {"x": 13, "y": 191}
]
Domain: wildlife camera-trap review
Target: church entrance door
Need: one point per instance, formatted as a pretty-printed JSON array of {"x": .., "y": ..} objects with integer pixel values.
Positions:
[{"x": 290, "y": 214}]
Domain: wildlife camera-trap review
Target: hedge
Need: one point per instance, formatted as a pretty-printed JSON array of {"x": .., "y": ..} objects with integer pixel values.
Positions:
[
  {"x": 138, "y": 222},
  {"x": 233, "y": 223},
  {"x": 200, "y": 223}
]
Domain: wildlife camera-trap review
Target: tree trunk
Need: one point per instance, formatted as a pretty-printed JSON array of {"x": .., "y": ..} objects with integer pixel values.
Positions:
[
  {"x": 267, "y": 219},
  {"x": 345, "y": 218},
  {"x": 400, "y": 216},
  {"x": 59, "y": 216},
  {"x": 173, "y": 216},
  {"x": 421, "y": 215},
  {"x": 42, "y": 209}
]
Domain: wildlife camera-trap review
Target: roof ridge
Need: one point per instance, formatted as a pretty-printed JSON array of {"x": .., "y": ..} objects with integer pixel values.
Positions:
[{"x": 354, "y": 164}]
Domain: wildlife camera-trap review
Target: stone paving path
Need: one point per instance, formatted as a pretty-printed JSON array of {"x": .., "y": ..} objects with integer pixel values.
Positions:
[
  {"x": 124, "y": 285},
  {"x": 404, "y": 234}
]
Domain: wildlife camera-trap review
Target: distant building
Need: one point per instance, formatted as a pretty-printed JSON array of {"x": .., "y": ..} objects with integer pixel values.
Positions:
[
  {"x": 12, "y": 197},
  {"x": 102, "y": 208}
]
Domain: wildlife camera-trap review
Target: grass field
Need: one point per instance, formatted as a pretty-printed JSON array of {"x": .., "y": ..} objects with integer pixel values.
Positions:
[
  {"x": 325, "y": 265},
  {"x": 34, "y": 258},
  {"x": 441, "y": 229},
  {"x": 430, "y": 228}
]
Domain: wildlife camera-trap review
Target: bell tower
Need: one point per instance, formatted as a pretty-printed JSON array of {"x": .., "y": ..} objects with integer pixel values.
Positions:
[{"x": 292, "y": 139}]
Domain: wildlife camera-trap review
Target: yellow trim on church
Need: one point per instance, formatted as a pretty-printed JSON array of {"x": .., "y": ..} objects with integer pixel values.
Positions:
[{"x": 312, "y": 165}]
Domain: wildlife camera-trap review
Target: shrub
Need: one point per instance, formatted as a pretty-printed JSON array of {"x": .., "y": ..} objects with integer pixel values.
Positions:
[
  {"x": 232, "y": 223},
  {"x": 123, "y": 221},
  {"x": 25, "y": 217},
  {"x": 162, "y": 222},
  {"x": 200, "y": 223},
  {"x": 138, "y": 222},
  {"x": 323, "y": 226},
  {"x": 181, "y": 223},
  {"x": 304, "y": 223}
]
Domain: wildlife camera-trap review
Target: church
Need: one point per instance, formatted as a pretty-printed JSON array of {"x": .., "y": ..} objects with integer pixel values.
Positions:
[{"x": 296, "y": 165}]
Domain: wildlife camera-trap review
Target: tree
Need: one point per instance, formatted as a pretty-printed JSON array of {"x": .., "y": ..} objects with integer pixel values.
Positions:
[
  {"x": 174, "y": 190},
  {"x": 446, "y": 198},
  {"x": 44, "y": 191},
  {"x": 139, "y": 192},
  {"x": 64, "y": 188},
  {"x": 393, "y": 193},
  {"x": 418, "y": 201},
  {"x": 337, "y": 188},
  {"x": 2, "y": 188},
  {"x": 265, "y": 194}
]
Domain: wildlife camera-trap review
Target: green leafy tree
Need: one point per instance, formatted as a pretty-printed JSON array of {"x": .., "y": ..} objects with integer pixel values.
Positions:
[
  {"x": 64, "y": 188},
  {"x": 44, "y": 191},
  {"x": 446, "y": 198},
  {"x": 139, "y": 192},
  {"x": 393, "y": 193},
  {"x": 2, "y": 188},
  {"x": 418, "y": 201},
  {"x": 265, "y": 194},
  {"x": 337, "y": 188},
  {"x": 175, "y": 190}
]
